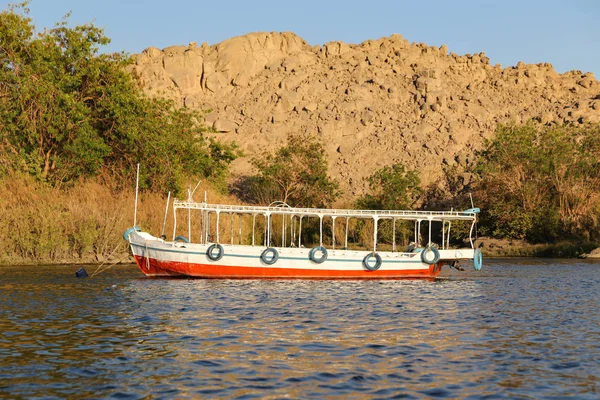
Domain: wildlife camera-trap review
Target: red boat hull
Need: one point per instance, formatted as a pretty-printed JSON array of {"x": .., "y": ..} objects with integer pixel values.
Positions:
[{"x": 157, "y": 268}]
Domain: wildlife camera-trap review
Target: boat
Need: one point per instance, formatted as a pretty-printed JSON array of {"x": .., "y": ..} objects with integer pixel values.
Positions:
[{"x": 273, "y": 247}]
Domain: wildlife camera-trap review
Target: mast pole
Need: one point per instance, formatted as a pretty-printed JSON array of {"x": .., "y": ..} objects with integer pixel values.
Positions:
[{"x": 137, "y": 184}]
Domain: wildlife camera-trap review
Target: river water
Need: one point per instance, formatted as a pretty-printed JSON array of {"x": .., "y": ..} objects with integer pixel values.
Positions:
[{"x": 518, "y": 329}]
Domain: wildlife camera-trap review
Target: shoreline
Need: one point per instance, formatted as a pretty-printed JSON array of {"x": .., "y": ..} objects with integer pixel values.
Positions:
[{"x": 498, "y": 248}]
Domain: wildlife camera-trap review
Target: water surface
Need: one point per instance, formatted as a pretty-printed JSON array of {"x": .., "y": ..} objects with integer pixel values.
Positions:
[{"x": 517, "y": 329}]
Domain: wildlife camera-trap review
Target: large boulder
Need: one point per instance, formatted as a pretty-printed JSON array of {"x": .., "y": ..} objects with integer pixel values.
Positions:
[
  {"x": 225, "y": 126},
  {"x": 593, "y": 254}
]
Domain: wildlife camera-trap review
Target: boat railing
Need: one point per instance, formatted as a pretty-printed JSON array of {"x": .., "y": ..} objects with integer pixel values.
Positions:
[
  {"x": 468, "y": 215},
  {"x": 297, "y": 214}
]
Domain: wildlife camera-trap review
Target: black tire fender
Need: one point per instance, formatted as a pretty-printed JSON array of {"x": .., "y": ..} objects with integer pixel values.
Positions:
[
  {"x": 210, "y": 252},
  {"x": 378, "y": 261},
  {"x": 313, "y": 258},
  {"x": 264, "y": 257},
  {"x": 427, "y": 259}
]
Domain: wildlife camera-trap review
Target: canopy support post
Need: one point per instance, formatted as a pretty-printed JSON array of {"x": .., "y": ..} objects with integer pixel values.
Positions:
[
  {"x": 429, "y": 238},
  {"x": 394, "y": 234},
  {"x": 253, "y": 224},
  {"x": 282, "y": 230},
  {"x": 162, "y": 232},
  {"x": 218, "y": 218},
  {"x": 375, "y": 220},
  {"x": 269, "y": 230},
  {"x": 240, "y": 235},
  {"x": 300, "y": 232},
  {"x": 346, "y": 240},
  {"x": 333, "y": 233},
  {"x": 174, "y": 221},
  {"x": 320, "y": 230}
]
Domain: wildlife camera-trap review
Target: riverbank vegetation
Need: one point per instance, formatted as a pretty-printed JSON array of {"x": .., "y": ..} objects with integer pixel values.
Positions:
[
  {"x": 541, "y": 184},
  {"x": 296, "y": 174},
  {"x": 69, "y": 112},
  {"x": 74, "y": 124},
  {"x": 538, "y": 186},
  {"x": 80, "y": 223}
]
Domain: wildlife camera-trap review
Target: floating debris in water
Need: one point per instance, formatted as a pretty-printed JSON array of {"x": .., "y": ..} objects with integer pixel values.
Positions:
[{"x": 81, "y": 273}]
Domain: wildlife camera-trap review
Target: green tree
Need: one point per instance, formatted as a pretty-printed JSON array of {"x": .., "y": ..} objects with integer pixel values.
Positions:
[
  {"x": 392, "y": 188},
  {"x": 68, "y": 111},
  {"x": 295, "y": 174},
  {"x": 541, "y": 183}
]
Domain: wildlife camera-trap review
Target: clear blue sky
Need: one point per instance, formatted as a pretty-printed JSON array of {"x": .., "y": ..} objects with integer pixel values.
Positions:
[{"x": 565, "y": 33}]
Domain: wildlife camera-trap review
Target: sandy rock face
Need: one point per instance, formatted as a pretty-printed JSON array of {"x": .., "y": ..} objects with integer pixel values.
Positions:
[
  {"x": 372, "y": 104},
  {"x": 593, "y": 254}
]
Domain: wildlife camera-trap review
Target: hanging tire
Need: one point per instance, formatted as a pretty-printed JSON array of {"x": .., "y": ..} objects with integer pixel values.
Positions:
[
  {"x": 477, "y": 260},
  {"x": 313, "y": 258},
  {"x": 182, "y": 239},
  {"x": 269, "y": 256},
  {"x": 215, "y": 256},
  {"x": 430, "y": 255},
  {"x": 368, "y": 266}
]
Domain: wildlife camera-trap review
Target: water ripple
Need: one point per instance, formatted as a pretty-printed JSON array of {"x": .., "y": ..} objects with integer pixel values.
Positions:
[{"x": 520, "y": 329}]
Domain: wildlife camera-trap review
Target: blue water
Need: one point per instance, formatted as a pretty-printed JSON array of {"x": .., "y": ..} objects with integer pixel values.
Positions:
[{"x": 517, "y": 329}]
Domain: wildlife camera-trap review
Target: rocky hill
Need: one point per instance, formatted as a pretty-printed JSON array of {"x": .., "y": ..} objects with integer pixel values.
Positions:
[{"x": 372, "y": 104}]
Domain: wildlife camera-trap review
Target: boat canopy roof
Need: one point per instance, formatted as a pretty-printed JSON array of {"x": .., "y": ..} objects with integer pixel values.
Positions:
[{"x": 280, "y": 208}]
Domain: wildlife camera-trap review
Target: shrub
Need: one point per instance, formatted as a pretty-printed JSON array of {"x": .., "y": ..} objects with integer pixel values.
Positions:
[{"x": 69, "y": 112}]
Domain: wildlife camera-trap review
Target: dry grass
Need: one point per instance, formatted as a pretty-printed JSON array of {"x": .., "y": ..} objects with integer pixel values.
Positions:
[{"x": 82, "y": 224}]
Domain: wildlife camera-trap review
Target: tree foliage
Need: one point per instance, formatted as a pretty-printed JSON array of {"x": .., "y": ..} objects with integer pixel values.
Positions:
[
  {"x": 392, "y": 188},
  {"x": 68, "y": 111},
  {"x": 541, "y": 183},
  {"x": 295, "y": 174}
]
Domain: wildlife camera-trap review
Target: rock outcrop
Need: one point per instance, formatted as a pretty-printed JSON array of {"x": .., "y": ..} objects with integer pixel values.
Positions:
[
  {"x": 593, "y": 254},
  {"x": 372, "y": 104}
]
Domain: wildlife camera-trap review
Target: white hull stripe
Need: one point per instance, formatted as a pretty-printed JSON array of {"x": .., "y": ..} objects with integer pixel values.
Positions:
[{"x": 251, "y": 256}]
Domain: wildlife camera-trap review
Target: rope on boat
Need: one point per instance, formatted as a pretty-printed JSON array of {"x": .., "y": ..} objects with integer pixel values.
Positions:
[
  {"x": 98, "y": 270},
  {"x": 146, "y": 255}
]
